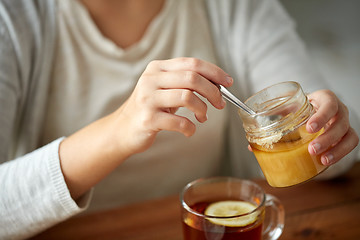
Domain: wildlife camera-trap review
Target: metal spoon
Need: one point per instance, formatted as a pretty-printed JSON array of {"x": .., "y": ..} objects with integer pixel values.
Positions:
[
  {"x": 234, "y": 100},
  {"x": 261, "y": 120}
]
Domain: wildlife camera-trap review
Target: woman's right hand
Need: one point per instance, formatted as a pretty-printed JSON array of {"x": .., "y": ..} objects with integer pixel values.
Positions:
[
  {"x": 163, "y": 87},
  {"x": 92, "y": 153}
]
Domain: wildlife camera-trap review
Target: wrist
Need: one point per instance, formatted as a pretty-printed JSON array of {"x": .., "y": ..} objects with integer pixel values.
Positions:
[{"x": 89, "y": 155}]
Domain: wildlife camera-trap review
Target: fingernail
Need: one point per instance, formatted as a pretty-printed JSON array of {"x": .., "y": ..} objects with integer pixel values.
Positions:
[
  {"x": 315, "y": 147},
  {"x": 314, "y": 126},
  {"x": 327, "y": 159},
  {"x": 229, "y": 80}
]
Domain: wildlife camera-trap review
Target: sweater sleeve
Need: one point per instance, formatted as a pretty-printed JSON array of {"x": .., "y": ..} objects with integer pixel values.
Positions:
[
  {"x": 34, "y": 195},
  {"x": 275, "y": 53},
  {"x": 261, "y": 48},
  {"x": 33, "y": 192}
]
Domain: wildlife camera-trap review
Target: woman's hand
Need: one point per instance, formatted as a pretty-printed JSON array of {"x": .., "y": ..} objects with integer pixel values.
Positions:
[
  {"x": 93, "y": 152},
  {"x": 161, "y": 90},
  {"x": 339, "y": 138}
]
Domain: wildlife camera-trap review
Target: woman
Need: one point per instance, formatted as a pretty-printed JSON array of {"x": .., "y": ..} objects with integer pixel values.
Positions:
[{"x": 111, "y": 75}]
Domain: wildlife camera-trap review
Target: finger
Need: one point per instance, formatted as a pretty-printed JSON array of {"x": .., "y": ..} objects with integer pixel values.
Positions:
[
  {"x": 334, "y": 132},
  {"x": 175, "y": 98},
  {"x": 346, "y": 145},
  {"x": 206, "y": 69},
  {"x": 326, "y": 105},
  {"x": 192, "y": 81},
  {"x": 171, "y": 122}
]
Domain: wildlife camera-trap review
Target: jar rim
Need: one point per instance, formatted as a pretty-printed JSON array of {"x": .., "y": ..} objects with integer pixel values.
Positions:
[
  {"x": 286, "y": 101},
  {"x": 298, "y": 87}
]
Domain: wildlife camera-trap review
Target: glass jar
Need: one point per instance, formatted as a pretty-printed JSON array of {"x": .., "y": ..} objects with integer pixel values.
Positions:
[{"x": 277, "y": 134}]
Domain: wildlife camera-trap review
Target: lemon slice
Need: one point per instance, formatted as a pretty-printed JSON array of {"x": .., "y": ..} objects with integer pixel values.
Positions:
[{"x": 229, "y": 209}]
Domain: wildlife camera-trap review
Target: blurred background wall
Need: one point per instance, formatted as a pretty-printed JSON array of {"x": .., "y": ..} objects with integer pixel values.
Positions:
[{"x": 331, "y": 31}]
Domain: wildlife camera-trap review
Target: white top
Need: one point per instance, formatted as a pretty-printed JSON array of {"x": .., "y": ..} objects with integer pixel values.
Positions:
[
  {"x": 104, "y": 75},
  {"x": 254, "y": 41}
]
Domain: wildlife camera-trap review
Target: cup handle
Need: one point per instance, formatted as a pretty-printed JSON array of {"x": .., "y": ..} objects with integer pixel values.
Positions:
[{"x": 274, "y": 218}]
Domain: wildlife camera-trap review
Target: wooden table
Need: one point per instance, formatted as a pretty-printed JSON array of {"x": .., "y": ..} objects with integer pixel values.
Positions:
[{"x": 314, "y": 210}]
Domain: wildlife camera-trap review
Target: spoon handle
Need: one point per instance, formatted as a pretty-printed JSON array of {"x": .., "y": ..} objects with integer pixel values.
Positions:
[{"x": 234, "y": 100}]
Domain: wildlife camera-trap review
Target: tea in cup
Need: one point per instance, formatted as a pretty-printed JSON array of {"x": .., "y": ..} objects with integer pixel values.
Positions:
[{"x": 229, "y": 208}]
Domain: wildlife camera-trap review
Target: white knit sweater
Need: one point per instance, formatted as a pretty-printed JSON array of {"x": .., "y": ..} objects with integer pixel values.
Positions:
[{"x": 254, "y": 41}]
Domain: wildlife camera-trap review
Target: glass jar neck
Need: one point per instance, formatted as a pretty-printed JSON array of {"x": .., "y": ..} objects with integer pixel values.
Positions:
[{"x": 284, "y": 106}]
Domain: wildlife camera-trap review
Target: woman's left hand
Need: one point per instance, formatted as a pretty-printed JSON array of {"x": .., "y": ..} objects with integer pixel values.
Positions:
[{"x": 339, "y": 138}]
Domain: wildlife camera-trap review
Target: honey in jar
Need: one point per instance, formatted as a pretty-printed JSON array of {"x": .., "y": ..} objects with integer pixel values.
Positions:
[{"x": 278, "y": 135}]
